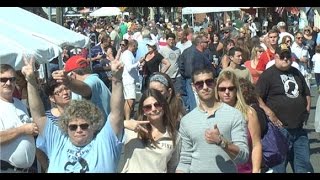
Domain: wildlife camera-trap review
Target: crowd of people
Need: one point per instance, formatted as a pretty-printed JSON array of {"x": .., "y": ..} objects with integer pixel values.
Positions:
[{"x": 203, "y": 96}]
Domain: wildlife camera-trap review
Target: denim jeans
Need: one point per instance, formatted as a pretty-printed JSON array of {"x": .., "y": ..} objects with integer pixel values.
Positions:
[{"x": 299, "y": 152}]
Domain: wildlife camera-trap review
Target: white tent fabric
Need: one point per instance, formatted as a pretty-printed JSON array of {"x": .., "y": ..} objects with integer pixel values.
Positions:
[
  {"x": 198, "y": 10},
  {"x": 106, "y": 11},
  {"x": 41, "y": 27},
  {"x": 24, "y": 33},
  {"x": 16, "y": 43}
]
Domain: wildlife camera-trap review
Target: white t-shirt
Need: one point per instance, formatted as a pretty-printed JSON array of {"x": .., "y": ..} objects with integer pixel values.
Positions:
[
  {"x": 130, "y": 72},
  {"x": 20, "y": 152},
  {"x": 183, "y": 46},
  {"x": 316, "y": 61}
]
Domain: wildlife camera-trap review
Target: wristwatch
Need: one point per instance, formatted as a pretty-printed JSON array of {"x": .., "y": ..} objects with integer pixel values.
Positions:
[{"x": 223, "y": 142}]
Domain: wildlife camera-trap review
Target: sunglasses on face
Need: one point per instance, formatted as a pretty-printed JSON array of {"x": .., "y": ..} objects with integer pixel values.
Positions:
[
  {"x": 122, "y": 45},
  {"x": 200, "y": 84},
  {"x": 73, "y": 127},
  {"x": 286, "y": 55},
  {"x": 11, "y": 79},
  {"x": 288, "y": 41},
  {"x": 299, "y": 37},
  {"x": 148, "y": 108},
  {"x": 223, "y": 89}
]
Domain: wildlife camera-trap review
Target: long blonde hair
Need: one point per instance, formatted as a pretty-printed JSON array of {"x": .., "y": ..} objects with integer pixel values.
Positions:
[{"x": 240, "y": 102}]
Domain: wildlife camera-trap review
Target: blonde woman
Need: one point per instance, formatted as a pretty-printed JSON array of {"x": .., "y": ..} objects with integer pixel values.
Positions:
[
  {"x": 287, "y": 40},
  {"x": 227, "y": 90},
  {"x": 254, "y": 60}
]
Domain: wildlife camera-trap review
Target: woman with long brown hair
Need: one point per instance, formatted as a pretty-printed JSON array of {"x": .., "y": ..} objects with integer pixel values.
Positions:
[{"x": 154, "y": 145}]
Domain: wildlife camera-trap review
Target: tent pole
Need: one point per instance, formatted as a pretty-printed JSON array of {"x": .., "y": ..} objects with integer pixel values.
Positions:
[{"x": 192, "y": 20}]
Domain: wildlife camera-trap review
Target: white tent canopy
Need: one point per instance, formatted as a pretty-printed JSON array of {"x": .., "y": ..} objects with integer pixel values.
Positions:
[
  {"x": 24, "y": 33},
  {"x": 106, "y": 11},
  {"x": 43, "y": 28},
  {"x": 18, "y": 42},
  {"x": 198, "y": 10}
]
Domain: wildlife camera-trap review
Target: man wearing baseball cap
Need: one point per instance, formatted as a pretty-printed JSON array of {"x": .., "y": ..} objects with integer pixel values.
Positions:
[
  {"x": 285, "y": 98},
  {"x": 78, "y": 78}
]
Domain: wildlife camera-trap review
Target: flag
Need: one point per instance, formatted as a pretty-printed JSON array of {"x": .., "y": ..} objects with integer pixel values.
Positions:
[{"x": 279, "y": 10}]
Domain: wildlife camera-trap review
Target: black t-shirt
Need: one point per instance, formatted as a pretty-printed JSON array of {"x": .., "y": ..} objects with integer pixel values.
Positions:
[
  {"x": 262, "y": 117},
  {"x": 284, "y": 92},
  {"x": 153, "y": 64}
]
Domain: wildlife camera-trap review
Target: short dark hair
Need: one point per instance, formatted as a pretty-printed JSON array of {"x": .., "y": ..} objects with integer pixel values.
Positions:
[
  {"x": 50, "y": 86},
  {"x": 233, "y": 50},
  {"x": 207, "y": 70},
  {"x": 170, "y": 35}
]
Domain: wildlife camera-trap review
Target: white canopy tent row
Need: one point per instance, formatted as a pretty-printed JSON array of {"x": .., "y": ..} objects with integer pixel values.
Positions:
[
  {"x": 38, "y": 37},
  {"x": 106, "y": 11}
]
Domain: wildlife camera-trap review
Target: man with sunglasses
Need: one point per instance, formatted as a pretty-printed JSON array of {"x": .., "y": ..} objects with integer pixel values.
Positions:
[
  {"x": 17, "y": 144},
  {"x": 302, "y": 56},
  {"x": 285, "y": 98},
  {"x": 224, "y": 124}
]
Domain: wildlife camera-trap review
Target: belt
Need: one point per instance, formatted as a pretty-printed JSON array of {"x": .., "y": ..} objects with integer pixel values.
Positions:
[{"x": 5, "y": 166}]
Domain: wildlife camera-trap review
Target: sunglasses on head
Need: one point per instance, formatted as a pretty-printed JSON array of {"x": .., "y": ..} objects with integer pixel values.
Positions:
[
  {"x": 200, "y": 84},
  {"x": 148, "y": 108},
  {"x": 11, "y": 79},
  {"x": 73, "y": 127},
  {"x": 223, "y": 89}
]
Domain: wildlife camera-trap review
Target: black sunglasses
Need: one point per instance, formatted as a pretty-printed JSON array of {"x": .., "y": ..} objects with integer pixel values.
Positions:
[
  {"x": 223, "y": 89},
  {"x": 285, "y": 55},
  {"x": 148, "y": 108},
  {"x": 11, "y": 79},
  {"x": 73, "y": 127},
  {"x": 200, "y": 84},
  {"x": 122, "y": 45}
]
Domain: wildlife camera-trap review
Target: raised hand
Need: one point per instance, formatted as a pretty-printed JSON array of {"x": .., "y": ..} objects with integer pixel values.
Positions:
[
  {"x": 116, "y": 69},
  {"x": 60, "y": 76},
  {"x": 28, "y": 69}
]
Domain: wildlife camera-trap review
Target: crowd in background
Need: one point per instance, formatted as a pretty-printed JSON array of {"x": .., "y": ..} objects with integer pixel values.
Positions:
[{"x": 195, "y": 113}]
